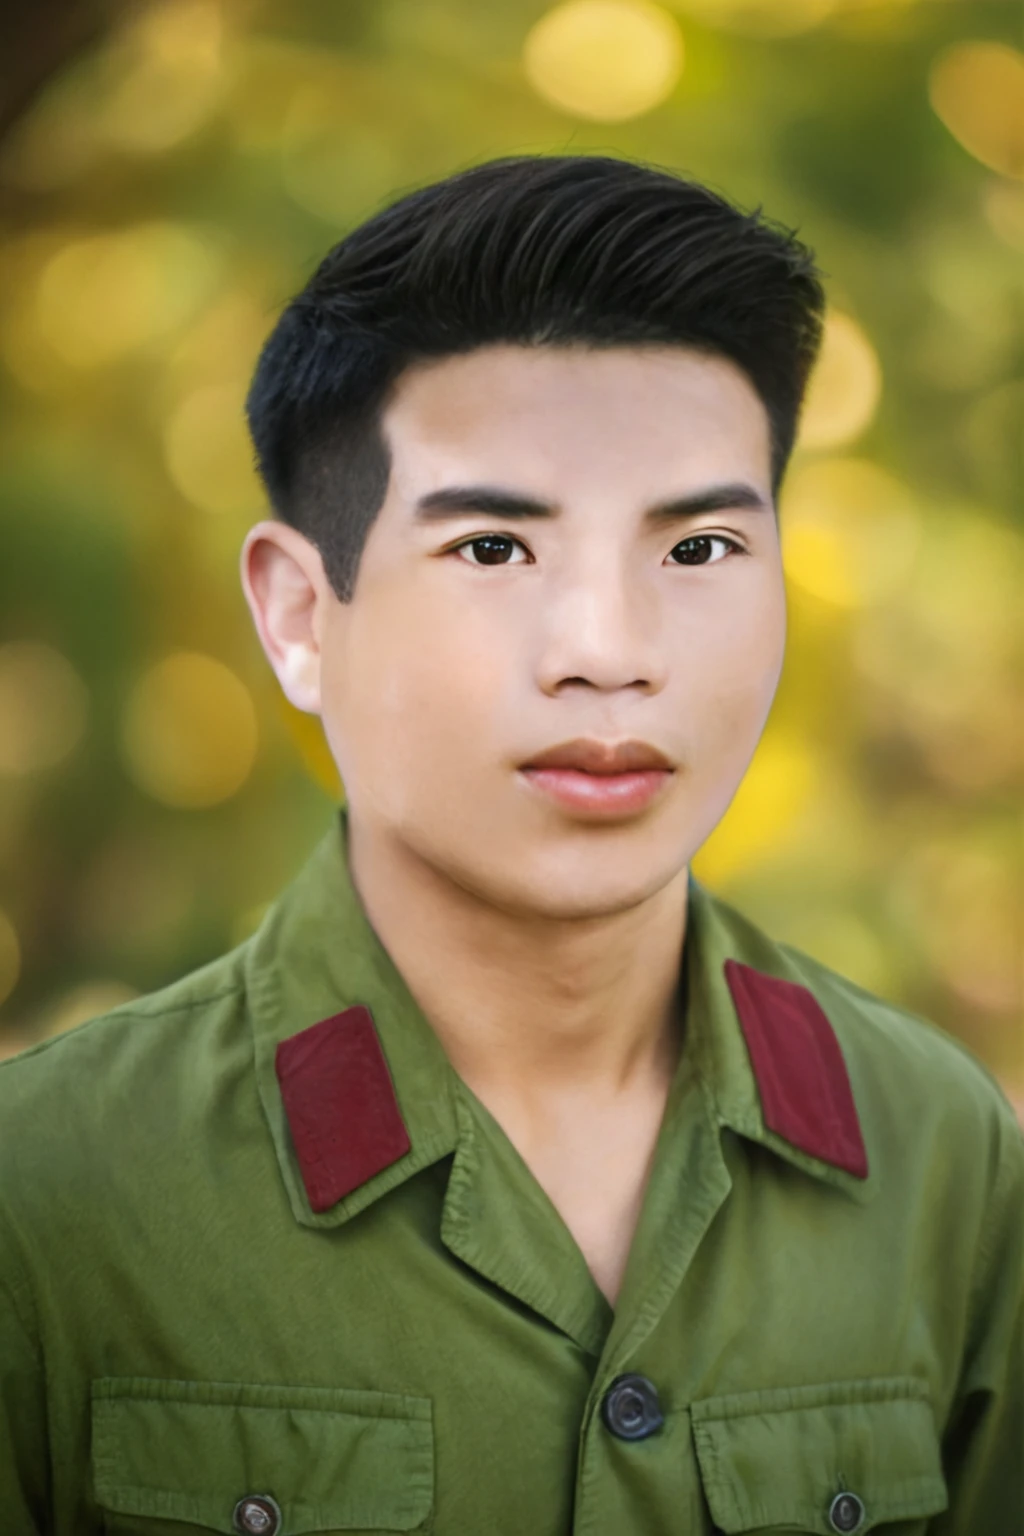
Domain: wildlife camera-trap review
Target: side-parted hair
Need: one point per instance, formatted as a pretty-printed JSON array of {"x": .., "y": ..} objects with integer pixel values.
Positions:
[{"x": 537, "y": 250}]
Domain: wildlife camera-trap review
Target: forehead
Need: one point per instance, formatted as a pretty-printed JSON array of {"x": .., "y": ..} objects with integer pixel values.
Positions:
[{"x": 663, "y": 410}]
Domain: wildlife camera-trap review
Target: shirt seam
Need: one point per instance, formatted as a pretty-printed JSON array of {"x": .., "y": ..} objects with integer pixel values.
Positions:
[{"x": 235, "y": 989}]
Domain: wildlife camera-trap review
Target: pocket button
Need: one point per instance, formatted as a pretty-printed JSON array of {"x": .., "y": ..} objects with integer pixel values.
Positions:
[
  {"x": 257, "y": 1514},
  {"x": 845, "y": 1513}
]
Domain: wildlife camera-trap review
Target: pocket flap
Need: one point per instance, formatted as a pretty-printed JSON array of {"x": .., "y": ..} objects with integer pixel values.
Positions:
[
  {"x": 334, "y": 1459},
  {"x": 780, "y": 1457}
]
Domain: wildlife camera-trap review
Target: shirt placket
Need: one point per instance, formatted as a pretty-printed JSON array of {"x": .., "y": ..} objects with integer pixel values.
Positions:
[{"x": 635, "y": 1464}]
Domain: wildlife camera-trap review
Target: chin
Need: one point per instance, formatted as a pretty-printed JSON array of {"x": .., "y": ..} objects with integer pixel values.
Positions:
[{"x": 585, "y": 879}]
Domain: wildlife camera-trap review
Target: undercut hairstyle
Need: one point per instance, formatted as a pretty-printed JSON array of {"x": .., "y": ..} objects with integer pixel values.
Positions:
[{"x": 535, "y": 250}]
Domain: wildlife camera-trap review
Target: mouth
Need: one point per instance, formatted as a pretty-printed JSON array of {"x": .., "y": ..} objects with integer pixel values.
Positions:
[
  {"x": 587, "y": 755},
  {"x": 597, "y": 779}
]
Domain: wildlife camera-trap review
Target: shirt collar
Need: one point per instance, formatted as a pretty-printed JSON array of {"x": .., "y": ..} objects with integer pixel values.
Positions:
[
  {"x": 360, "y": 1095},
  {"x": 767, "y": 1052},
  {"x": 314, "y": 957}
]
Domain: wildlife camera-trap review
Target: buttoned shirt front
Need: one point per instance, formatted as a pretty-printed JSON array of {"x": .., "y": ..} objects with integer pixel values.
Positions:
[{"x": 268, "y": 1265}]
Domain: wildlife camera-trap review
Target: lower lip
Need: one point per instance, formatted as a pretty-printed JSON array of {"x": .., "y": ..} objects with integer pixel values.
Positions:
[{"x": 604, "y": 793}]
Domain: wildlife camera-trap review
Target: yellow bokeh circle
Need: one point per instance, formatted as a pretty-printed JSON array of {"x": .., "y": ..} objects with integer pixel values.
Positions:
[
  {"x": 170, "y": 77},
  {"x": 102, "y": 296},
  {"x": 43, "y": 707},
  {"x": 977, "y": 90},
  {"x": 850, "y": 531},
  {"x": 607, "y": 60},
  {"x": 844, "y": 387},
  {"x": 189, "y": 732},
  {"x": 208, "y": 452}
]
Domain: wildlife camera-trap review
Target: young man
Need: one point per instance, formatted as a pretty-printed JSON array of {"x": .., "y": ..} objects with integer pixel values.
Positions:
[{"x": 506, "y": 1181}]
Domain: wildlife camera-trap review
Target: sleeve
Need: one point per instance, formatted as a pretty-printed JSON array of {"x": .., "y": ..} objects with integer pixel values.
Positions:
[
  {"x": 24, "y": 1461},
  {"x": 983, "y": 1448}
]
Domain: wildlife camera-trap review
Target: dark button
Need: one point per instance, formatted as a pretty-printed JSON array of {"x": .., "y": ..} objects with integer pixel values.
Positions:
[
  {"x": 630, "y": 1407},
  {"x": 257, "y": 1514},
  {"x": 846, "y": 1512}
]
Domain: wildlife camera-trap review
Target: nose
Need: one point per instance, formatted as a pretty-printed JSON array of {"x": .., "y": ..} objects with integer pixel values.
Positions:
[{"x": 604, "y": 628}]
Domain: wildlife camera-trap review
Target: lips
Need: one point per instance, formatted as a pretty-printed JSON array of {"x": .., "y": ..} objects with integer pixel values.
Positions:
[{"x": 588, "y": 755}]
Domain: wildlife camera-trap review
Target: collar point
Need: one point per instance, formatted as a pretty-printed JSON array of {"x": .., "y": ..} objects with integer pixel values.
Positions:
[
  {"x": 798, "y": 1066},
  {"x": 340, "y": 1102}
]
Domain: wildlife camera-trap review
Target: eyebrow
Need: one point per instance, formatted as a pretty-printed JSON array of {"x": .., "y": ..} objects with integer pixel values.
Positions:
[{"x": 453, "y": 501}]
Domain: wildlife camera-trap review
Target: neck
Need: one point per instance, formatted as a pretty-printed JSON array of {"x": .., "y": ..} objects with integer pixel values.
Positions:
[{"x": 528, "y": 1008}]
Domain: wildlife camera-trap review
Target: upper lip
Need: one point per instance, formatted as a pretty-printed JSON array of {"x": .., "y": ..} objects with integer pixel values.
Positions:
[{"x": 592, "y": 756}]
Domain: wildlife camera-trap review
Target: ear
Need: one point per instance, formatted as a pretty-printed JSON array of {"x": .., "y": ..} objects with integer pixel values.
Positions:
[{"x": 283, "y": 580}]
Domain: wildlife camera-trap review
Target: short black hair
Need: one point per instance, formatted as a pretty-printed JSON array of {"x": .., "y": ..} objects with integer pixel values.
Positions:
[{"x": 538, "y": 250}]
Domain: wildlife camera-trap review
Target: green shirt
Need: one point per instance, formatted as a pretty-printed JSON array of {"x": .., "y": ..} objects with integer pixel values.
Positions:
[{"x": 316, "y": 1289}]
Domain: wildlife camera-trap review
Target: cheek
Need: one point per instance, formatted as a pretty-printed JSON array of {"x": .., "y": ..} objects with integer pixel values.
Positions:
[
  {"x": 402, "y": 689},
  {"x": 734, "y": 669}
]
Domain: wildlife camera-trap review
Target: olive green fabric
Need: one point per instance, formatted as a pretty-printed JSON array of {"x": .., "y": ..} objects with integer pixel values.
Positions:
[{"x": 179, "y": 1329}]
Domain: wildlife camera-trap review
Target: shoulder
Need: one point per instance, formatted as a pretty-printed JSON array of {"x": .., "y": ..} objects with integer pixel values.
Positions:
[
  {"x": 90, "y": 1096},
  {"x": 915, "y": 1085},
  {"x": 889, "y": 1043},
  {"x": 123, "y": 1032}
]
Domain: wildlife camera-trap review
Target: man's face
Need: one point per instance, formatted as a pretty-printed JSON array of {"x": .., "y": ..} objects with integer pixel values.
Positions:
[{"x": 455, "y": 664}]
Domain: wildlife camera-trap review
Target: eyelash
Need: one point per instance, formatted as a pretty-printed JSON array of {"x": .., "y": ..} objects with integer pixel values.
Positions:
[{"x": 734, "y": 547}]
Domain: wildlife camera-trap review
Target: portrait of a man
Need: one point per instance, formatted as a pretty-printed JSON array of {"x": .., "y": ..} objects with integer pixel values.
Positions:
[{"x": 507, "y": 1178}]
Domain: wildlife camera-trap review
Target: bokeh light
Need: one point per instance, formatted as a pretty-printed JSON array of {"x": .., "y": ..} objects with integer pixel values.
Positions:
[
  {"x": 208, "y": 451},
  {"x": 333, "y": 161},
  {"x": 977, "y": 89},
  {"x": 104, "y": 295},
  {"x": 844, "y": 388},
  {"x": 850, "y": 531},
  {"x": 608, "y": 60},
  {"x": 171, "y": 80},
  {"x": 189, "y": 731},
  {"x": 945, "y": 660},
  {"x": 44, "y": 706}
]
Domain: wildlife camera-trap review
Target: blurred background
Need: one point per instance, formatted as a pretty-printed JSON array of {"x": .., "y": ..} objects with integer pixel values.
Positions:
[{"x": 170, "y": 173}]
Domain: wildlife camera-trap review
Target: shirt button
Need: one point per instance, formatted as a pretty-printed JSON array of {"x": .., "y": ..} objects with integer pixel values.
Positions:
[
  {"x": 846, "y": 1512},
  {"x": 257, "y": 1514},
  {"x": 630, "y": 1407}
]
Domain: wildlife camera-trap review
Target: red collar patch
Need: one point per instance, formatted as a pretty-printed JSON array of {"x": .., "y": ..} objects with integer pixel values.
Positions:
[
  {"x": 341, "y": 1105},
  {"x": 801, "y": 1076}
]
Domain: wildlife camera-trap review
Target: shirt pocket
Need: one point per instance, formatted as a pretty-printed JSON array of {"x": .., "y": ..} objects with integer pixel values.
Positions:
[
  {"x": 181, "y": 1454},
  {"x": 779, "y": 1460}
]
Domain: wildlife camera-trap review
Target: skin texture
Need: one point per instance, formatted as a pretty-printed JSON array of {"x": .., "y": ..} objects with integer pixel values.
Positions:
[{"x": 544, "y": 948}]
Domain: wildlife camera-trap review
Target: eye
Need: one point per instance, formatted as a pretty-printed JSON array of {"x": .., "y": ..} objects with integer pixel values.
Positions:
[
  {"x": 492, "y": 556},
  {"x": 697, "y": 550}
]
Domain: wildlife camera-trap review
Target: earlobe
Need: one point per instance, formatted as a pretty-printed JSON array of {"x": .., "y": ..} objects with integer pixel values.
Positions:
[
  {"x": 298, "y": 672},
  {"x": 282, "y": 595}
]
